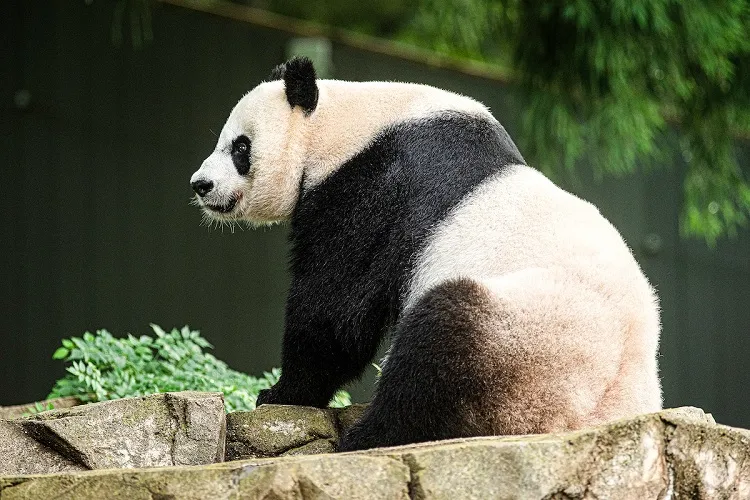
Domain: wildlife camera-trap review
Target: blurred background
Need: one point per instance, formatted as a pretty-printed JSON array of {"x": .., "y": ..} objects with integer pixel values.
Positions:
[{"x": 108, "y": 106}]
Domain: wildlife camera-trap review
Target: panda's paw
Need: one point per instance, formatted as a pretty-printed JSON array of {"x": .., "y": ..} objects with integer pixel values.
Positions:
[
  {"x": 278, "y": 395},
  {"x": 290, "y": 395},
  {"x": 266, "y": 397}
]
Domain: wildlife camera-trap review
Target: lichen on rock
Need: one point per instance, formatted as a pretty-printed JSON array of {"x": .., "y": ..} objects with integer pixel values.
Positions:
[{"x": 274, "y": 430}]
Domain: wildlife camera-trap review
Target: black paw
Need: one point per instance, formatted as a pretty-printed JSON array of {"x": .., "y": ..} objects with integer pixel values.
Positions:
[
  {"x": 266, "y": 397},
  {"x": 289, "y": 395}
]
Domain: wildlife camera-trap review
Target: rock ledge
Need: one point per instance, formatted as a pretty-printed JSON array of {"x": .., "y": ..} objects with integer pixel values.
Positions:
[{"x": 677, "y": 453}]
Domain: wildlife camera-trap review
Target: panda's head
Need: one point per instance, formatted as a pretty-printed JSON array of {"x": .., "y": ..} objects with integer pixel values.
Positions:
[{"x": 254, "y": 173}]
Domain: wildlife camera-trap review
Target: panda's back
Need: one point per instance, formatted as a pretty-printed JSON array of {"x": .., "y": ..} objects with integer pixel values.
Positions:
[
  {"x": 367, "y": 221},
  {"x": 441, "y": 196},
  {"x": 519, "y": 219}
]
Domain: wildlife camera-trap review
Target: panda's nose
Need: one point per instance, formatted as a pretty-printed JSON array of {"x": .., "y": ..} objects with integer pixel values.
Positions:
[{"x": 202, "y": 187}]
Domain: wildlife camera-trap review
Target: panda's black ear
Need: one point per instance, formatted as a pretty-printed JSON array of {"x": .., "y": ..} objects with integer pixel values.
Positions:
[{"x": 299, "y": 82}]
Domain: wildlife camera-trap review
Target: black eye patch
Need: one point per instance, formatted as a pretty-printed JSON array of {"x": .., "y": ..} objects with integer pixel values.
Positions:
[{"x": 241, "y": 154}]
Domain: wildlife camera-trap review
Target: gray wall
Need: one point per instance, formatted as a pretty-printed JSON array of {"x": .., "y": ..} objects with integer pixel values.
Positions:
[{"x": 97, "y": 230}]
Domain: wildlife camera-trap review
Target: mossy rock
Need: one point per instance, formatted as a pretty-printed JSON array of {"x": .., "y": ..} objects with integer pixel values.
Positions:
[
  {"x": 186, "y": 428},
  {"x": 678, "y": 453}
]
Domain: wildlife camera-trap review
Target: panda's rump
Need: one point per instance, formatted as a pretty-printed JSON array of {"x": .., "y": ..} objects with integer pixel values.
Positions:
[
  {"x": 559, "y": 342},
  {"x": 520, "y": 354}
]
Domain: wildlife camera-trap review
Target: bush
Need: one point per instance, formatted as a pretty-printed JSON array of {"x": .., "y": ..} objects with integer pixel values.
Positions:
[{"x": 104, "y": 367}]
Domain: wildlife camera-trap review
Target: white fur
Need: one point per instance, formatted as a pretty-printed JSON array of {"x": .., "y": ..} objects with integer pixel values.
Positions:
[
  {"x": 570, "y": 283},
  {"x": 287, "y": 144}
]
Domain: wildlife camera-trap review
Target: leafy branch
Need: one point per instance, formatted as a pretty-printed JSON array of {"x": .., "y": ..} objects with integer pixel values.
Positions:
[{"x": 103, "y": 367}]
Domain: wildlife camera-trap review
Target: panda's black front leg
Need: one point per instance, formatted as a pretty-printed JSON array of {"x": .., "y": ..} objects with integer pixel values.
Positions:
[
  {"x": 322, "y": 350},
  {"x": 309, "y": 373}
]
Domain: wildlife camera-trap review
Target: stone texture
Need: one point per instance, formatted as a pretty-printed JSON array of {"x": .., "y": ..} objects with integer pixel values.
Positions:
[
  {"x": 272, "y": 430},
  {"x": 628, "y": 459},
  {"x": 18, "y": 411},
  {"x": 708, "y": 461},
  {"x": 184, "y": 428},
  {"x": 276, "y": 430},
  {"x": 324, "y": 477},
  {"x": 674, "y": 454},
  {"x": 346, "y": 417},
  {"x": 21, "y": 454}
]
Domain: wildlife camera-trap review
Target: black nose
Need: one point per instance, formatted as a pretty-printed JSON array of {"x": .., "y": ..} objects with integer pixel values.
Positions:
[{"x": 202, "y": 187}]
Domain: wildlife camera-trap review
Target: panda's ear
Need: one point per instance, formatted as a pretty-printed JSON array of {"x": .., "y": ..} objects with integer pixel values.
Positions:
[{"x": 299, "y": 82}]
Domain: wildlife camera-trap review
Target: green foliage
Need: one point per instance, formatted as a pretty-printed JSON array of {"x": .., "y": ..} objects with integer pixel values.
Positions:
[
  {"x": 38, "y": 408},
  {"x": 604, "y": 78},
  {"x": 104, "y": 367}
]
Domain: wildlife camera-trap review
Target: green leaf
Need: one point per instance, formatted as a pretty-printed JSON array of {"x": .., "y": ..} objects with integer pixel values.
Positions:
[{"x": 61, "y": 353}]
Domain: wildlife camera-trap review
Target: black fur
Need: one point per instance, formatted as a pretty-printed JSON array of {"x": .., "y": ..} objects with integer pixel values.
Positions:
[
  {"x": 299, "y": 82},
  {"x": 241, "y": 154},
  {"x": 434, "y": 382},
  {"x": 355, "y": 238}
]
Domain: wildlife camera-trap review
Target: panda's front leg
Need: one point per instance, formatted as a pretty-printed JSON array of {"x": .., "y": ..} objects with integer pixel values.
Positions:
[
  {"x": 320, "y": 352},
  {"x": 309, "y": 372}
]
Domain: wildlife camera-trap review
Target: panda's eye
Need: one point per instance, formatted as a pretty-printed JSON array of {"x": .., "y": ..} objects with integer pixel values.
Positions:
[
  {"x": 241, "y": 145},
  {"x": 241, "y": 154}
]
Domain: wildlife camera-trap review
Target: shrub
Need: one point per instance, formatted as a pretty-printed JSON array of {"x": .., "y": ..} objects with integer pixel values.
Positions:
[{"x": 103, "y": 367}]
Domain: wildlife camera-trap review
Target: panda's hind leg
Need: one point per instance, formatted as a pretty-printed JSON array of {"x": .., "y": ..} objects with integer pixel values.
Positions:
[
  {"x": 427, "y": 381},
  {"x": 513, "y": 356}
]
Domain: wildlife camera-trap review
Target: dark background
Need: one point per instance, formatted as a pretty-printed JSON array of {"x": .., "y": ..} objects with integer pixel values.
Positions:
[{"x": 98, "y": 142}]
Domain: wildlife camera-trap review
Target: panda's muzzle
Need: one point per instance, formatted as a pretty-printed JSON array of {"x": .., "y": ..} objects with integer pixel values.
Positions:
[{"x": 225, "y": 208}]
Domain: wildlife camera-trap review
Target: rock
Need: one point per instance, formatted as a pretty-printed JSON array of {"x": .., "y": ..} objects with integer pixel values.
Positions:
[
  {"x": 317, "y": 447},
  {"x": 328, "y": 477},
  {"x": 21, "y": 454},
  {"x": 708, "y": 461},
  {"x": 11, "y": 412},
  {"x": 273, "y": 430},
  {"x": 276, "y": 430},
  {"x": 348, "y": 415},
  {"x": 324, "y": 477},
  {"x": 624, "y": 460},
  {"x": 672, "y": 454},
  {"x": 186, "y": 428}
]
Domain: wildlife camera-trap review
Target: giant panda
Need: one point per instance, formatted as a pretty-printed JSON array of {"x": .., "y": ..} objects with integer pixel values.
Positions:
[{"x": 513, "y": 306}]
